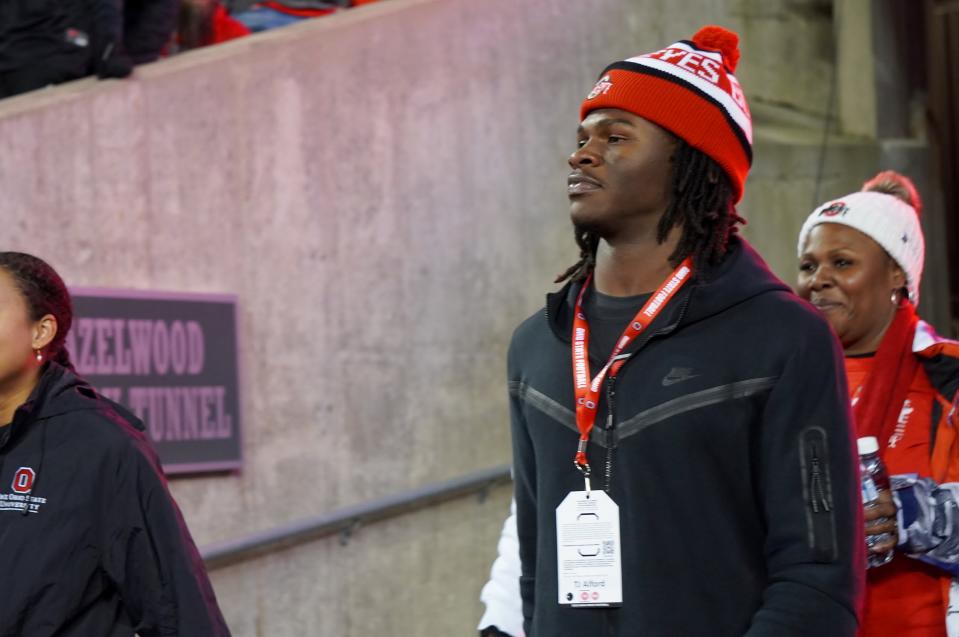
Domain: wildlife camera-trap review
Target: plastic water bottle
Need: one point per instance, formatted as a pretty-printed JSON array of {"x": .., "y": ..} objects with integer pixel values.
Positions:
[{"x": 874, "y": 480}]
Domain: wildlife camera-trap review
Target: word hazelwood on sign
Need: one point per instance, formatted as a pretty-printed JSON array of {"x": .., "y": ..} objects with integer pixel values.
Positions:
[{"x": 172, "y": 360}]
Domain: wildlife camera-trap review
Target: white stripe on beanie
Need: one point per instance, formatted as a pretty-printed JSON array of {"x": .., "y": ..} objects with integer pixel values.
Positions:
[
  {"x": 719, "y": 89},
  {"x": 887, "y": 220}
]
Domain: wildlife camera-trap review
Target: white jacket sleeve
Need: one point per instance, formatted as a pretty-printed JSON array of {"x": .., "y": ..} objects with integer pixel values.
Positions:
[{"x": 504, "y": 607}]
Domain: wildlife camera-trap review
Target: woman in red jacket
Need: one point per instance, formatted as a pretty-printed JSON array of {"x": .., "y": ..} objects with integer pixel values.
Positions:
[{"x": 860, "y": 263}]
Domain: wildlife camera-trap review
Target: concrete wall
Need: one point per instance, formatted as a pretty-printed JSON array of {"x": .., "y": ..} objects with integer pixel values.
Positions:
[
  {"x": 876, "y": 122},
  {"x": 788, "y": 51},
  {"x": 383, "y": 189},
  {"x": 791, "y": 175}
]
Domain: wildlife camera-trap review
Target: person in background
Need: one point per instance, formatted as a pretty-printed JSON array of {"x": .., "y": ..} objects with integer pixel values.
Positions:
[
  {"x": 44, "y": 43},
  {"x": 675, "y": 402},
  {"x": 147, "y": 27},
  {"x": 93, "y": 542},
  {"x": 262, "y": 16},
  {"x": 861, "y": 259},
  {"x": 206, "y": 22},
  {"x": 500, "y": 595}
]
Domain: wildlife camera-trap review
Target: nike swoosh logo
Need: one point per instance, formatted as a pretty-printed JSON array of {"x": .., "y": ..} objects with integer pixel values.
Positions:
[{"x": 674, "y": 377}]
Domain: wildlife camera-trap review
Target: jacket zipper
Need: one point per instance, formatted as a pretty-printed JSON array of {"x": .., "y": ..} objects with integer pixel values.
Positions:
[
  {"x": 611, "y": 381},
  {"x": 610, "y": 392},
  {"x": 610, "y": 423},
  {"x": 817, "y": 492}
]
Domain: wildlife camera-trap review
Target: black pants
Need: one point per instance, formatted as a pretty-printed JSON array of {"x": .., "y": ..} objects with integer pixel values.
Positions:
[{"x": 42, "y": 72}]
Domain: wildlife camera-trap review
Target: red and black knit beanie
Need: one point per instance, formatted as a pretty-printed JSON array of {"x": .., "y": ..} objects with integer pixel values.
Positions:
[{"x": 689, "y": 89}]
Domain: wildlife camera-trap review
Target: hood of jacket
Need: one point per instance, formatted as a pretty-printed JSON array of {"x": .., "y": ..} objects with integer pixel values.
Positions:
[
  {"x": 60, "y": 391},
  {"x": 741, "y": 275},
  {"x": 940, "y": 358}
]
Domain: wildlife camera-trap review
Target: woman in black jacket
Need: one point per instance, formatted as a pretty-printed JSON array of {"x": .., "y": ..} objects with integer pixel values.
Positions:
[{"x": 93, "y": 542}]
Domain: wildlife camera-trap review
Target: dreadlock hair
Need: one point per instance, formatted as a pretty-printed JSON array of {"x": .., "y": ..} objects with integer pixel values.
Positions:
[
  {"x": 702, "y": 203},
  {"x": 45, "y": 293}
]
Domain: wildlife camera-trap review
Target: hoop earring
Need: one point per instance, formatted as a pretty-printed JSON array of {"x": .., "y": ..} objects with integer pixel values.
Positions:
[{"x": 39, "y": 355}]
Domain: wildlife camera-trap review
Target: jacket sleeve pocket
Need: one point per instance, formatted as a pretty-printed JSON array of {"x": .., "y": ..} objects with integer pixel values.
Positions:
[{"x": 817, "y": 494}]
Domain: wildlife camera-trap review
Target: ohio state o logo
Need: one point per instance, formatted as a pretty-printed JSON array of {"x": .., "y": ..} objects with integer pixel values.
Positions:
[
  {"x": 23, "y": 480},
  {"x": 602, "y": 88},
  {"x": 835, "y": 209}
]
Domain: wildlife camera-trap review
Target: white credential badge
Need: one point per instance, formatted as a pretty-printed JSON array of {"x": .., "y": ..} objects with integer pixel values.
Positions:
[{"x": 588, "y": 552}]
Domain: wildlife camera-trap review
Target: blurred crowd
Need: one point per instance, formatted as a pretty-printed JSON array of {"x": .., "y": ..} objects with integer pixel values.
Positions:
[{"x": 44, "y": 42}]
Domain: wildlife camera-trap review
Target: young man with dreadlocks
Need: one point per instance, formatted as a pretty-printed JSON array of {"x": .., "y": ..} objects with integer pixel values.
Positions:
[{"x": 682, "y": 451}]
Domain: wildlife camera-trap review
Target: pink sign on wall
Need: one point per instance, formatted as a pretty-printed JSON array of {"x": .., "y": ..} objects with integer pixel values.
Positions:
[{"x": 171, "y": 358}]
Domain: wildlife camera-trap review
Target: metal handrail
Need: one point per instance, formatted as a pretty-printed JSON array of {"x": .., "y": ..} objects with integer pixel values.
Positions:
[{"x": 346, "y": 520}]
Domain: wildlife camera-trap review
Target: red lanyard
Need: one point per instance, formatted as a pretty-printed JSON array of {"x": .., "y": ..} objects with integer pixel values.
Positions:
[{"x": 587, "y": 393}]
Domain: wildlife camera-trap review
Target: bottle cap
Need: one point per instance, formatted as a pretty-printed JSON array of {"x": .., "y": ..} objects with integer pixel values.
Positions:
[{"x": 866, "y": 445}]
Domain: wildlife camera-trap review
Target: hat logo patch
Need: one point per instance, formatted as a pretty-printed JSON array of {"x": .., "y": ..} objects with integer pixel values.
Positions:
[
  {"x": 602, "y": 88},
  {"x": 835, "y": 209}
]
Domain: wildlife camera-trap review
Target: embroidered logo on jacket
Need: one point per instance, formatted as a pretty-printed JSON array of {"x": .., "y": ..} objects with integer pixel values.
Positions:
[
  {"x": 678, "y": 375},
  {"x": 900, "y": 431},
  {"x": 23, "y": 480},
  {"x": 21, "y": 497}
]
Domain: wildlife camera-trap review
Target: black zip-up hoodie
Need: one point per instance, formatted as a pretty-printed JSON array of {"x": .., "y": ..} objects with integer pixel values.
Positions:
[
  {"x": 729, "y": 451},
  {"x": 92, "y": 543}
]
